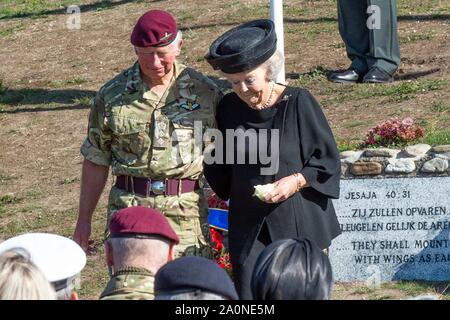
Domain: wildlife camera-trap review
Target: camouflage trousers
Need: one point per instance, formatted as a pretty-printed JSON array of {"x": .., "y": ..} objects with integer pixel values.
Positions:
[{"x": 187, "y": 214}]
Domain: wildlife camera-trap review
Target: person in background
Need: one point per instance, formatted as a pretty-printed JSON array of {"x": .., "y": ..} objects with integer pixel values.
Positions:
[
  {"x": 371, "y": 41},
  {"x": 292, "y": 269},
  {"x": 21, "y": 279},
  {"x": 141, "y": 241},
  {"x": 60, "y": 259},
  {"x": 193, "y": 278},
  {"x": 288, "y": 125},
  {"x": 141, "y": 125}
]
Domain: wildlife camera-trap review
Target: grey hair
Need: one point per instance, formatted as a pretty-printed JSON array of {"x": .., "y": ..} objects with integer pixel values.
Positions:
[
  {"x": 145, "y": 252},
  {"x": 273, "y": 65},
  {"x": 175, "y": 44}
]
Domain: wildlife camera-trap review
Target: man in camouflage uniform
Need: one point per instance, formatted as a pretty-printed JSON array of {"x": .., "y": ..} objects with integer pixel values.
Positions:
[
  {"x": 141, "y": 124},
  {"x": 141, "y": 242}
]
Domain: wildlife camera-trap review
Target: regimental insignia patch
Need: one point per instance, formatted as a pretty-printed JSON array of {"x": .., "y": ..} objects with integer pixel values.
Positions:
[{"x": 189, "y": 103}]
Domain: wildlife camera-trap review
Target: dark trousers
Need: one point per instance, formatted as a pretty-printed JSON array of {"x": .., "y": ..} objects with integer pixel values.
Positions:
[
  {"x": 370, "y": 47},
  {"x": 242, "y": 273}
]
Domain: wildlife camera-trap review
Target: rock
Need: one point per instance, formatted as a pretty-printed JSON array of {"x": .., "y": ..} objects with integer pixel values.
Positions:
[
  {"x": 441, "y": 149},
  {"x": 400, "y": 166},
  {"x": 347, "y": 154},
  {"x": 417, "y": 150},
  {"x": 381, "y": 152},
  {"x": 445, "y": 155},
  {"x": 355, "y": 156},
  {"x": 366, "y": 168},
  {"x": 344, "y": 169},
  {"x": 436, "y": 165}
]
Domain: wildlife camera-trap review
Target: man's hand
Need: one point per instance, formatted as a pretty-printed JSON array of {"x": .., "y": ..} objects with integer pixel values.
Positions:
[
  {"x": 82, "y": 234},
  {"x": 93, "y": 180}
]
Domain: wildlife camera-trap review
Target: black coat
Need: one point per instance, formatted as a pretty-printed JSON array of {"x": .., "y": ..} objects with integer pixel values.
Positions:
[{"x": 306, "y": 146}]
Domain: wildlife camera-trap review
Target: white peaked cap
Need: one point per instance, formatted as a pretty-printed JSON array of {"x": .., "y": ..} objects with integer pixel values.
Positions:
[{"x": 56, "y": 256}]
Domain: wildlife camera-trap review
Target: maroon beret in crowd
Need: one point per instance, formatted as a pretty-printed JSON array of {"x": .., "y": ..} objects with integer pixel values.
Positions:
[
  {"x": 141, "y": 221},
  {"x": 156, "y": 28}
]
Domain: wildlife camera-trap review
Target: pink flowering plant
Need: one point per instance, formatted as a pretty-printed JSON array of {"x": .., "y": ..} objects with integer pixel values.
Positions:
[{"x": 394, "y": 132}]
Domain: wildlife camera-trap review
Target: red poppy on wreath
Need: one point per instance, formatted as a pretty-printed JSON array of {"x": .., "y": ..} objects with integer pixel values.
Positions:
[
  {"x": 220, "y": 253},
  {"x": 215, "y": 202}
]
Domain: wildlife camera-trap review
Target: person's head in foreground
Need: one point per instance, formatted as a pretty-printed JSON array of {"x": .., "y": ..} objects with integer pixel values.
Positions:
[
  {"x": 157, "y": 42},
  {"x": 292, "y": 269},
  {"x": 141, "y": 241},
  {"x": 193, "y": 278},
  {"x": 20, "y": 279},
  {"x": 140, "y": 237},
  {"x": 58, "y": 258},
  {"x": 247, "y": 57}
]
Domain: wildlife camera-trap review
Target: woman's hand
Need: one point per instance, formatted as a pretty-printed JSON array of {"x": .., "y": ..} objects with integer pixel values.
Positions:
[{"x": 284, "y": 188}]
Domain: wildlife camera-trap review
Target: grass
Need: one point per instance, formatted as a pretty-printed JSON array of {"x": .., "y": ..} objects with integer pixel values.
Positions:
[
  {"x": 415, "y": 37},
  {"x": 347, "y": 144},
  {"x": 439, "y": 107},
  {"x": 93, "y": 285},
  {"x": 354, "y": 124},
  {"x": 31, "y": 8},
  {"x": 9, "y": 199},
  {"x": 103, "y": 5},
  {"x": 396, "y": 92},
  {"x": 316, "y": 74},
  {"x": 32, "y": 208},
  {"x": 438, "y": 137},
  {"x": 11, "y": 30},
  {"x": 402, "y": 91},
  {"x": 49, "y": 98},
  {"x": 430, "y": 7},
  {"x": 6, "y": 178},
  {"x": 70, "y": 180},
  {"x": 316, "y": 30},
  {"x": 410, "y": 288},
  {"x": 69, "y": 82},
  {"x": 391, "y": 290},
  {"x": 33, "y": 195},
  {"x": 14, "y": 97},
  {"x": 41, "y": 8},
  {"x": 83, "y": 101},
  {"x": 2, "y": 87},
  {"x": 26, "y": 222},
  {"x": 364, "y": 290}
]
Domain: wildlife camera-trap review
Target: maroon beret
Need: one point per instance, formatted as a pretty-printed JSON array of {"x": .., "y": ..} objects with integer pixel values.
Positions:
[
  {"x": 156, "y": 28},
  {"x": 143, "y": 221}
]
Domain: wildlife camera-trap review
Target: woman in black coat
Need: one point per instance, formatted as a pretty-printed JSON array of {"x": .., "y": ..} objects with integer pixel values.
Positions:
[{"x": 271, "y": 134}]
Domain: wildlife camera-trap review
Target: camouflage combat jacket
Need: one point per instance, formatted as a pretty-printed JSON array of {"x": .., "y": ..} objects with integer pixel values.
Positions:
[
  {"x": 139, "y": 134},
  {"x": 130, "y": 284}
]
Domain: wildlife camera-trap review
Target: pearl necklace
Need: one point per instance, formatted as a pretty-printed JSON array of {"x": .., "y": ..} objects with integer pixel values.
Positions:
[{"x": 269, "y": 99}]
